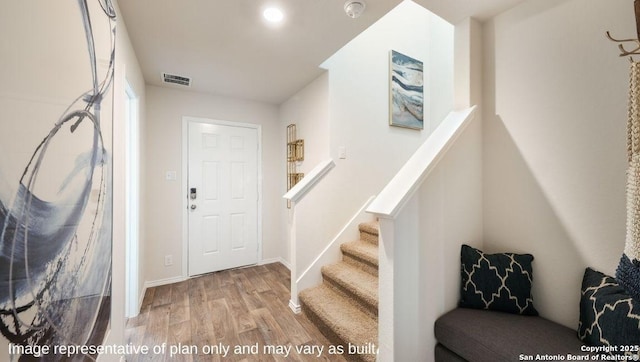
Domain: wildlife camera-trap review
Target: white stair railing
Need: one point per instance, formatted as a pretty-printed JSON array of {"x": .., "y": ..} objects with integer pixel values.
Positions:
[
  {"x": 295, "y": 195},
  {"x": 307, "y": 183},
  {"x": 420, "y": 225},
  {"x": 404, "y": 184}
]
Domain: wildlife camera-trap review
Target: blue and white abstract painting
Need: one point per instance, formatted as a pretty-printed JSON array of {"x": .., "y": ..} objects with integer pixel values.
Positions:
[
  {"x": 407, "y": 92},
  {"x": 56, "y": 120}
]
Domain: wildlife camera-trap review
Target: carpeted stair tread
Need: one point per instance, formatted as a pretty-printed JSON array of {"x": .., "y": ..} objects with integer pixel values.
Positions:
[
  {"x": 360, "y": 286},
  {"x": 361, "y": 250},
  {"x": 369, "y": 232},
  {"x": 369, "y": 227},
  {"x": 338, "y": 318},
  {"x": 345, "y": 306}
]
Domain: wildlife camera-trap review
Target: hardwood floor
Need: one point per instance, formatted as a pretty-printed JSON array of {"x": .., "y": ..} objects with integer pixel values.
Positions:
[{"x": 243, "y": 312}]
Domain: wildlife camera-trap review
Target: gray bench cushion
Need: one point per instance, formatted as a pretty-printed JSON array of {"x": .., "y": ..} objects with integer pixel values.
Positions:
[
  {"x": 482, "y": 335},
  {"x": 442, "y": 354}
]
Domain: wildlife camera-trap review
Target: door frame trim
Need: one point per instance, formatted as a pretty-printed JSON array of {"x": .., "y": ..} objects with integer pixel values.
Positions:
[{"x": 186, "y": 120}]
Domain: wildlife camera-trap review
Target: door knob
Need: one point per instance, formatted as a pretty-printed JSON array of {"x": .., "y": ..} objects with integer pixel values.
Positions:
[{"x": 193, "y": 207}]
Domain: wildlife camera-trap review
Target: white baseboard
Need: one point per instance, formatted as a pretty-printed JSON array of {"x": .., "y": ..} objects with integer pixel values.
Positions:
[
  {"x": 275, "y": 260},
  {"x": 295, "y": 307},
  {"x": 157, "y": 283},
  {"x": 141, "y": 299}
]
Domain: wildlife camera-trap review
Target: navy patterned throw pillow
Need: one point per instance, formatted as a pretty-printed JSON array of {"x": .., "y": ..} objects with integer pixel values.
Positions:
[
  {"x": 609, "y": 316},
  {"x": 500, "y": 282},
  {"x": 628, "y": 276}
]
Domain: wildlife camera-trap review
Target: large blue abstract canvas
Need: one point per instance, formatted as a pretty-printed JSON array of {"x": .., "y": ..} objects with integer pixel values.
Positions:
[
  {"x": 407, "y": 92},
  {"x": 55, "y": 175}
]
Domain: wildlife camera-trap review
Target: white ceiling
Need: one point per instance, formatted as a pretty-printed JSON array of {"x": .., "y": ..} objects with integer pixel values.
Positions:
[{"x": 227, "y": 49}]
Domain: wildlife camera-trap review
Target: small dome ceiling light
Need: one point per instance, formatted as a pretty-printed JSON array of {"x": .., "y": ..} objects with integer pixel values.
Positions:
[
  {"x": 354, "y": 8},
  {"x": 273, "y": 15}
]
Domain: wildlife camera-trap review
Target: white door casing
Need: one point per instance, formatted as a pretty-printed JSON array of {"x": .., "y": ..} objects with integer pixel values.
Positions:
[{"x": 223, "y": 218}]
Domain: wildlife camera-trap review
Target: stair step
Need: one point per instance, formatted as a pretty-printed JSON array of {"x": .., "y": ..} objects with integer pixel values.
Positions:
[
  {"x": 339, "y": 320},
  {"x": 361, "y": 254},
  {"x": 358, "y": 285},
  {"x": 369, "y": 232}
]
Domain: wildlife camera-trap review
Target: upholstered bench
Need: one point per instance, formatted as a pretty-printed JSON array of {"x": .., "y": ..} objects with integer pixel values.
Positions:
[
  {"x": 496, "y": 320},
  {"x": 482, "y": 335}
]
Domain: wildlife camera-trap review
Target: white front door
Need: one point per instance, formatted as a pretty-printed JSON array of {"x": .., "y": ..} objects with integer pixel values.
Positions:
[{"x": 223, "y": 197}]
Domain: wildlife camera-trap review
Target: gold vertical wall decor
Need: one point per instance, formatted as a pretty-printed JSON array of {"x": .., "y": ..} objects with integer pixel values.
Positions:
[{"x": 295, "y": 153}]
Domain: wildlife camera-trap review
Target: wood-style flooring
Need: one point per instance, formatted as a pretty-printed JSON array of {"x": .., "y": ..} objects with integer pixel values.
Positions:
[{"x": 236, "y": 309}]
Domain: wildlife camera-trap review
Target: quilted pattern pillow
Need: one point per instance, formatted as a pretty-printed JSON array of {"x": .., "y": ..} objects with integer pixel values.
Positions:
[
  {"x": 608, "y": 315},
  {"x": 499, "y": 282}
]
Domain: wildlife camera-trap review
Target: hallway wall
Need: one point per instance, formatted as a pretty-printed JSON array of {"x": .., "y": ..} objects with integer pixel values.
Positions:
[
  {"x": 555, "y": 95},
  {"x": 163, "y": 140}
]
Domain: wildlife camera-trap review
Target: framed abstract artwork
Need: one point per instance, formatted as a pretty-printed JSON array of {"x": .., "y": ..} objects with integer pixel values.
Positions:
[
  {"x": 56, "y": 105},
  {"x": 407, "y": 92}
]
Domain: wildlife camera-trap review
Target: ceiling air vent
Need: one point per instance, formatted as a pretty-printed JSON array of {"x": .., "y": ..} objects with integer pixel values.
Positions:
[{"x": 176, "y": 79}]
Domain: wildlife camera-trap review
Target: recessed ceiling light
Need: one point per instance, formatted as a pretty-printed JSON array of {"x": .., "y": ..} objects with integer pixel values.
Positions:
[{"x": 273, "y": 15}]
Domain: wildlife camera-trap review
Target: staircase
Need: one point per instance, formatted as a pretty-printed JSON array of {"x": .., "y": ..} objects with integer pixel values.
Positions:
[{"x": 345, "y": 305}]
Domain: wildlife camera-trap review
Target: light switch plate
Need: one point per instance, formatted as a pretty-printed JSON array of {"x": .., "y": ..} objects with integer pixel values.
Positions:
[{"x": 342, "y": 152}]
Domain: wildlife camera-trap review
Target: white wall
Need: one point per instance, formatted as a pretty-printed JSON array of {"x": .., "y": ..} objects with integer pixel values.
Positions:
[
  {"x": 359, "y": 118},
  {"x": 127, "y": 69},
  {"x": 420, "y": 243},
  {"x": 555, "y": 145},
  {"x": 308, "y": 109},
  {"x": 163, "y": 148}
]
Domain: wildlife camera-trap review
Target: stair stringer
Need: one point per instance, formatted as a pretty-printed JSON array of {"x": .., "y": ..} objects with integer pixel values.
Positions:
[{"x": 312, "y": 275}]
